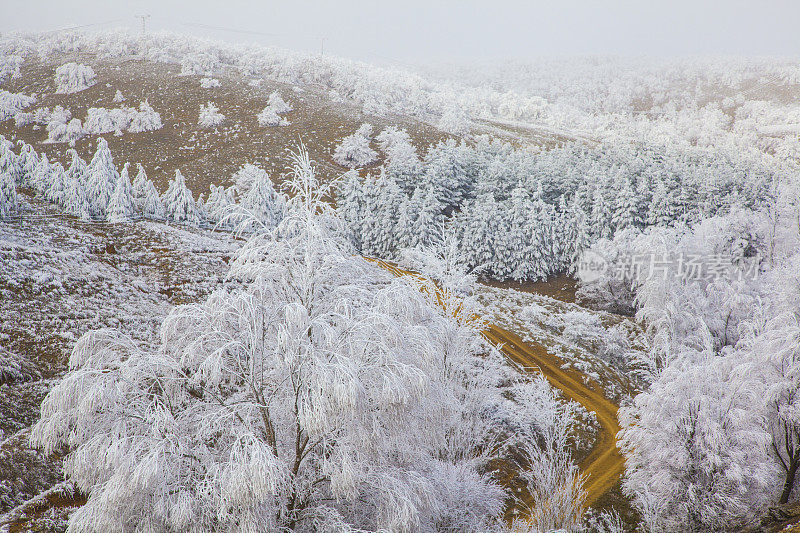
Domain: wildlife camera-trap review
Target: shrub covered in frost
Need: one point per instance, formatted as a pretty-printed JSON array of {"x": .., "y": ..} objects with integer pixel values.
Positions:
[
  {"x": 100, "y": 120},
  {"x": 208, "y": 83},
  {"x": 210, "y": 117},
  {"x": 354, "y": 150},
  {"x": 74, "y": 77}
]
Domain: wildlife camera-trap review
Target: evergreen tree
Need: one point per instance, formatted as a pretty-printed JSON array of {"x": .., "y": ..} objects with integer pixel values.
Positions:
[
  {"x": 139, "y": 186},
  {"x": 121, "y": 207},
  {"x": 103, "y": 177},
  {"x": 661, "y": 211},
  {"x": 76, "y": 202},
  {"x": 179, "y": 204},
  {"x": 430, "y": 222},
  {"x": 152, "y": 206},
  {"x": 626, "y": 212},
  {"x": 601, "y": 216},
  {"x": 57, "y": 191},
  {"x": 218, "y": 207},
  {"x": 8, "y": 195},
  {"x": 265, "y": 208},
  {"x": 40, "y": 178}
]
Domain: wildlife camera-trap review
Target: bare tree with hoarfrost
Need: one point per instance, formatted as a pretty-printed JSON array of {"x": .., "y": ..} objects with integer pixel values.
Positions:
[
  {"x": 354, "y": 150},
  {"x": 74, "y": 77},
  {"x": 319, "y": 394},
  {"x": 179, "y": 205},
  {"x": 210, "y": 117}
]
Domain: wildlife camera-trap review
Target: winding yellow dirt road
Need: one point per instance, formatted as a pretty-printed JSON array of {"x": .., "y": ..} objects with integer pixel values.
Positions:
[{"x": 604, "y": 465}]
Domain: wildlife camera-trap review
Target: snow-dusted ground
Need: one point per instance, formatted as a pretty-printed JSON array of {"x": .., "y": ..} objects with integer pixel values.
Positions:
[
  {"x": 60, "y": 277},
  {"x": 596, "y": 343}
]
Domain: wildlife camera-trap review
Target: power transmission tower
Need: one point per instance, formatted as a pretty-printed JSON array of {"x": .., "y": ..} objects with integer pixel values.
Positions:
[{"x": 144, "y": 26}]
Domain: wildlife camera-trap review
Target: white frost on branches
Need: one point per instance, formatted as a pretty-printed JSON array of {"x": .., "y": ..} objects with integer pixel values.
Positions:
[
  {"x": 210, "y": 117},
  {"x": 354, "y": 150},
  {"x": 74, "y": 77},
  {"x": 100, "y": 120}
]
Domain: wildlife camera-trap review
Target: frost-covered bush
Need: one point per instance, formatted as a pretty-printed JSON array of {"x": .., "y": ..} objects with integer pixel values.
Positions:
[
  {"x": 210, "y": 117},
  {"x": 124, "y": 119},
  {"x": 12, "y": 104},
  {"x": 118, "y": 97},
  {"x": 277, "y": 103},
  {"x": 269, "y": 117},
  {"x": 354, "y": 150},
  {"x": 454, "y": 120},
  {"x": 208, "y": 83},
  {"x": 9, "y": 66},
  {"x": 74, "y": 77},
  {"x": 59, "y": 131}
]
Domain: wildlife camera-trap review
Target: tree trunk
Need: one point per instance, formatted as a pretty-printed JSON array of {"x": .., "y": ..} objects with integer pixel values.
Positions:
[{"x": 789, "y": 483}]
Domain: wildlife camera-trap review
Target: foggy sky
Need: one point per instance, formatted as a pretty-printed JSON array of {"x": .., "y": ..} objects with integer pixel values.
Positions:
[{"x": 414, "y": 31}]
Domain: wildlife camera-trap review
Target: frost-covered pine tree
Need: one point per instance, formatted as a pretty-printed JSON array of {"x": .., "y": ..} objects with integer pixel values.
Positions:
[
  {"x": 354, "y": 150},
  {"x": 42, "y": 175},
  {"x": 121, "y": 207},
  {"x": 262, "y": 206},
  {"x": 210, "y": 117},
  {"x": 76, "y": 202},
  {"x": 118, "y": 98},
  {"x": 152, "y": 207},
  {"x": 102, "y": 181},
  {"x": 601, "y": 216},
  {"x": 56, "y": 192},
  {"x": 179, "y": 205},
  {"x": 138, "y": 187},
  {"x": 8, "y": 195},
  {"x": 220, "y": 207},
  {"x": 662, "y": 210},
  {"x": 626, "y": 211},
  {"x": 10, "y": 164},
  {"x": 27, "y": 160},
  {"x": 402, "y": 161}
]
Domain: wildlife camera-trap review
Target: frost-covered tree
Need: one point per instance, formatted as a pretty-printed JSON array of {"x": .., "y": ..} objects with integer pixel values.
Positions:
[
  {"x": 219, "y": 207},
  {"x": 8, "y": 195},
  {"x": 121, "y": 207},
  {"x": 76, "y": 201},
  {"x": 696, "y": 454},
  {"x": 57, "y": 190},
  {"x": 210, "y": 117},
  {"x": 354, "y": 150},
  {"x": 152, "y": 207},
  {"x": 771, "y": 362},
  {"x": 74, "y": 77},
  {"x": 118, "y": 97},
  {"x": 454, "y": 120},
  {"x": 102, "y": 180},
  {"x": 600, "y": 216},
  {"x": 179, "y": 205}
]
